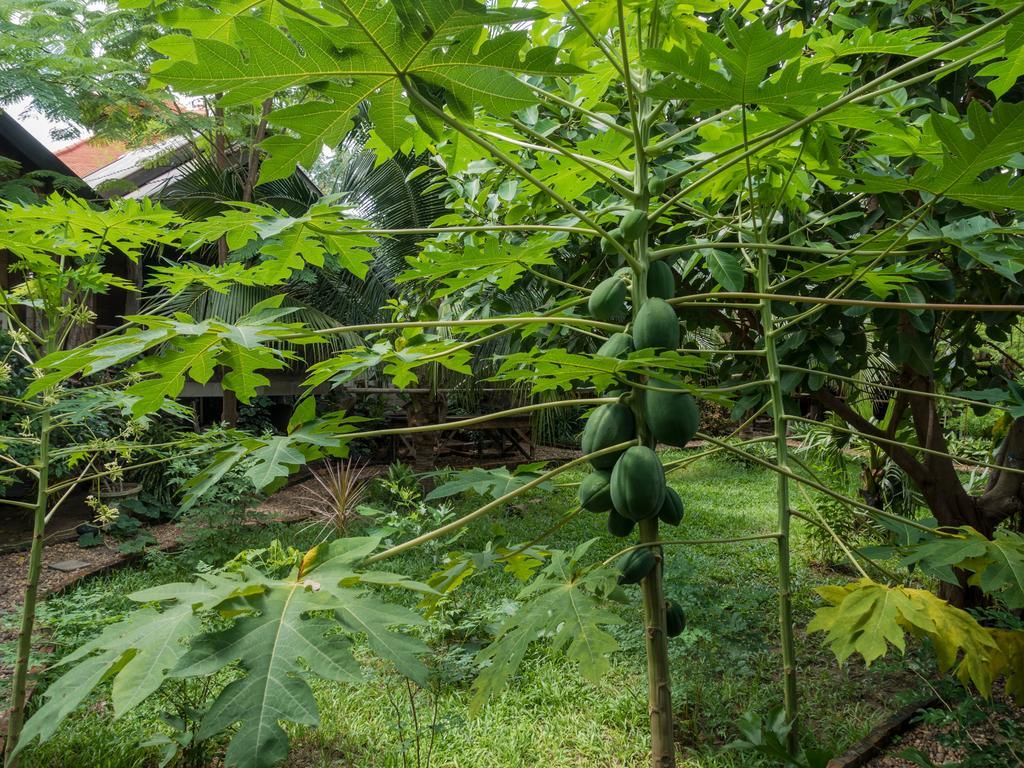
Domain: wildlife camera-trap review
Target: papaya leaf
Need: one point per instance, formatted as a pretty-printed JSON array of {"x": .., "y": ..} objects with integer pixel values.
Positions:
[
  {"x": 520, "y": 560},
  {"x": 866, "y": 617},
  {"x": 327, "y": 231},
  {"x": 275, "y": 459},
  {"x": 1000, "y": 570},
  {"x": 137, "y": 652},
  {"x": 937, "y": 555},
  {"x": 492, "y": 261},
  {"x": 375, "y": 54},
  {"x": 188, "y": 349},
  {"x": 67, "y": 693},
  {"x": 996, "y": 565},
  {"x": 1011, "y": 663},
  {"x": 281, "y": 631},
  {"x": 718, "y": 74},
  {"x": 284, "y": 636},
  {"x": 271, "y": 648},
  {"x": 988, "y": 140},
  {"x": 902, "y": 42},
  {"x": 557, "y": 369},
  {"x": 1007, "y": 71},
  {"x": 199, "y": 485},
  {"x": 564, "y": 604}
]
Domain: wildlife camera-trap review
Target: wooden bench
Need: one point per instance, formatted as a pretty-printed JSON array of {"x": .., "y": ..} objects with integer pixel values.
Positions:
[{"x": 507, "y": 434}]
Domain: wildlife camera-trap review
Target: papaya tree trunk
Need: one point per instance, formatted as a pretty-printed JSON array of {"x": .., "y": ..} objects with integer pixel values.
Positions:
[
  {"x": 19, "y": 684},
  {"x": 789, "y": 687},
  {"x": 659, "y": 681}
]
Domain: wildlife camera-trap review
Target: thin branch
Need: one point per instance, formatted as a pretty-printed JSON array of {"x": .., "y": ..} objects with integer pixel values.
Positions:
[
  {"x": 654, "y": 149},
  {"x": 509, "y": 162},
  {"x": 595, "y": 116},
  {"x": 890, "y": 388},
  {"x": 691, "y": 543},
  {"x": 914, "y": 469},
  {"x": 481, "y": 511},
  {"x": 601, "y": 44},
  {"x": 795, "y": 299},
  {"x": 819, "y": 487},
  {"x": 485, "y": 322},
  {"x": 768, "y": 246},
  {"x": 464, "y": 423}
]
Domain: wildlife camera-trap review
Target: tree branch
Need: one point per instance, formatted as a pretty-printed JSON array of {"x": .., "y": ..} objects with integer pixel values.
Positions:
[
  {"x": 1002, "y": 499},
  {"x": 906, "y": 461}
]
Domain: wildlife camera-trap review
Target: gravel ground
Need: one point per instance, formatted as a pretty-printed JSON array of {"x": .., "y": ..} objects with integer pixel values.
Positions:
[{"x": 944, "y": 745}]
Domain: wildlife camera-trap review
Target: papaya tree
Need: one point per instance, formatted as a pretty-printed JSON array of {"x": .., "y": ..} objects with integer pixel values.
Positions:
[
  {"x": 55, "y": 255},
  {"x": 707, "y": 157}
]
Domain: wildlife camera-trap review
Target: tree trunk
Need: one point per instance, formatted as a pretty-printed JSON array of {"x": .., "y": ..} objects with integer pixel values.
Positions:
[
  {"x": 229, "y": 408},
  {"x": 659, "y": 681},
  {"x": 936, "y": 476},
  {"x": 19, "y": 685}
]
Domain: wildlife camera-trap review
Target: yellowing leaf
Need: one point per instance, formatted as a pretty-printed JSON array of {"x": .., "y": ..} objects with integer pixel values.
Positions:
[{"x": 866, "y": 617}]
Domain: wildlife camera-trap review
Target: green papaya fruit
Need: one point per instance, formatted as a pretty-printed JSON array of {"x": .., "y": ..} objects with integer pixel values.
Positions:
[
  {"x": 633, "y": 225},
  {"x": 671, "y": 512},
  {"x": 661, "y": 281},
  {"x": 618, "y": 345},
  {"x": 608, "y": 425},
  {"x": 656, "y": 185},
  {"x": 618, "y": 525},
  {"x": 595, "y": 491},
  {"x": 638, "y": 483},
  {"x": 675, "y": 619},
  {"x": 636, "y": 565},
  {"x": 656, "y": 326},
  {"x": 615, "y": 234},
  {"x": 672, "y": 416},
  {"x": 608, "y": 301}
]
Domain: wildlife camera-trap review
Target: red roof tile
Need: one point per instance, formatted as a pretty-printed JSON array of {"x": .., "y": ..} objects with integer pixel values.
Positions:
[{"x": 88, "y": 155}]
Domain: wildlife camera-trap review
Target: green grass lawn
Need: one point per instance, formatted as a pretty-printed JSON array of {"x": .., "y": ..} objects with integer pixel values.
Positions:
[{"x": 725, "y": 663}]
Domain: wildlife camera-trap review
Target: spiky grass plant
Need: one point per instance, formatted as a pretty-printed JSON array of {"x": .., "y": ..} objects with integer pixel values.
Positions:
[{"x": 338, "y": 489}]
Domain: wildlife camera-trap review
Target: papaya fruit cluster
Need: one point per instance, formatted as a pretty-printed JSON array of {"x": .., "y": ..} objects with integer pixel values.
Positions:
[{"x": 629, "y": 485}]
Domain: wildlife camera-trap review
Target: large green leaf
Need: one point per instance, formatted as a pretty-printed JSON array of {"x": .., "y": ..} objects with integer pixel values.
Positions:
[
  {"x": 256, "y": 342},
  {"x": 271, "y": 647},
  {"x": 1000, "y": 571},
  {"x": 281, "y": 631},
  {"x": 547, "y": 370},
  {"x": 564, "y": 603},
  {"x": 379, "y": 55},
  {"x": 987, "y": 141},
  {"x": 718, "y": 74},
  {"x": 492, "y": 261},
  {"x": 137, "y": 652},
  {"x": 996, "y": 565},
  {"x": 727, "y": 269},
  {"x": 484, "y": 482}
]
